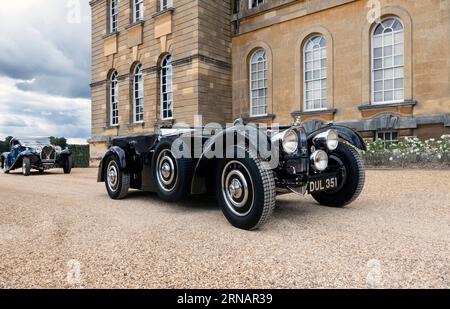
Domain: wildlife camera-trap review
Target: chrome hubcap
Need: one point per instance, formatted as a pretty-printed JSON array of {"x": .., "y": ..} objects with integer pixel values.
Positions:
[
  {"x": 112, "y": 176},
  {"x": 237, "y": 188},
  {"x": 166, "y": 171}
]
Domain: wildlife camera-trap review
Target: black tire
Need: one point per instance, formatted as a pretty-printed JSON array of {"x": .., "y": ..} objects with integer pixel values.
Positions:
[
  {"x": 116, "y": 181},
  {"x": 41, "y": 171},
  {"x": 26, "y": 166},
  {"x": 246, "y": 210},
  {"x": 173, "y": 177},
  {"x": 355, "y": 177},
  {"x": 68, "y": 163},
  {"x": 4, "y": 167}
]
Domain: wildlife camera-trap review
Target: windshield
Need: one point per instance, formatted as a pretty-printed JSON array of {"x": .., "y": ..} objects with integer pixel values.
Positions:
[{"x": 34, "y": 141}]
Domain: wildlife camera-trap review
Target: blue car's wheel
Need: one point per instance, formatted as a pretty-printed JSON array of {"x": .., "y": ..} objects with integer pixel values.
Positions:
[{"x": 26, "y": 167}]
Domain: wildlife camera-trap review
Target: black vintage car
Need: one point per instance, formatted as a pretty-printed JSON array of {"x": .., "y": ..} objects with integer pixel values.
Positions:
[
  {"x": 35, "y": 153},
  {"x": 256, "y": 166}
]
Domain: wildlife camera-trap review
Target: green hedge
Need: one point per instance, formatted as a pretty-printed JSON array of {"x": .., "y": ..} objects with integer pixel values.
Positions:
[{"x": 80, "y": 154}]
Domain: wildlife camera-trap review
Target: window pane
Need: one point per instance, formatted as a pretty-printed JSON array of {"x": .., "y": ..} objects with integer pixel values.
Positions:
[
  {"x": 379, "y": 86},
  {"x": 388, "y": 84},
  {"x": 398, "y": 60},
  {"x": 389, "y": 96},
  {"x": 399, "y": 95},
  {"x": 377, "y": 42},
  {"x": 388, "y": 74},
  {"x": 399, "y": 83},
  {"x": 378, "y": 64},
  {"x": 378, "y": 52}
]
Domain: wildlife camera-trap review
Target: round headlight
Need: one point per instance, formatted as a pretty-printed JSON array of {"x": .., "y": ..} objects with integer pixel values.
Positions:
[
  {"x": 329, "y": 139},
  {"x": 332, "y": 140},
  {"x": 319, "y": 160},
  {"x": 290, "y": 142}
]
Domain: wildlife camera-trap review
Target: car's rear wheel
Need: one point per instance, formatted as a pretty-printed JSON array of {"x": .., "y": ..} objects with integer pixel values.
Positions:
[
  {"x": 68, "y": 163},
  {"x": 26, "y": 166},
  {"x": 246, "y": 191},
  {"x": 351, "y": 183},
  {"x": 117, "y": 182},
  {"x": 173, "y": 176}
]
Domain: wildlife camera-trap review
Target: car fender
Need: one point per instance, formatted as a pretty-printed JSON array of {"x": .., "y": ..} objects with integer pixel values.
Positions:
[
  {"x": 24, "y": 154},
  {"x": 63, "y": 155},
  {"x": 248, "y": 134},
  {"x": 120, "y": 154},
  {"x": 345, "y": 133}
]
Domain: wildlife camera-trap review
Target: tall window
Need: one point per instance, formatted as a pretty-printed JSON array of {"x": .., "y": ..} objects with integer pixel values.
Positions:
[
  {"x": 138, "y": 95},
  {"x": 255, "y": 3},
  {"x": 315, "y": 74},
  {"x": 113, "y": 16},
  {"x": 258, "y": 83},
  {"x": 166, "y": 88},
  {"x": 138, "y": 10},
  {"x": 114, "y": 100},
  {"x": 165, "y": 4},
  {"x": 388, "y": 62}
]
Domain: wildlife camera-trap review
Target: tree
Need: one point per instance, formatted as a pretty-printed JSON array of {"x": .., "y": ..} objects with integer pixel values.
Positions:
[{"x": 58, "y": 141}]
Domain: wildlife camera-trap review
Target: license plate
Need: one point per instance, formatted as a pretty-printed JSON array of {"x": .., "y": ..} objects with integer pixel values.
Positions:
[{"x": 323, "y": 184}]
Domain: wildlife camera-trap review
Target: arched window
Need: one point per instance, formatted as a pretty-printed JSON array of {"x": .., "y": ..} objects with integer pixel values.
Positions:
[
  {"x": 138, "y": 95},
  {"x": 138, "y": 10},
  {"x": 113, "y": 16},
  {"x": 258, "y": 83},
  {"x": 114, "y": 100},
  {"x": 166, "y": 88},
  {"x": 388, "y": 62},
  {"x": 315, "y": 74}
]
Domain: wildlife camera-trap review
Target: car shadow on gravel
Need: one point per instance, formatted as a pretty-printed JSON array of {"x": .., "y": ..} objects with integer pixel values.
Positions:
[
  {"x": 191, "y": 203},
  {"x": 286, "y": 208}
]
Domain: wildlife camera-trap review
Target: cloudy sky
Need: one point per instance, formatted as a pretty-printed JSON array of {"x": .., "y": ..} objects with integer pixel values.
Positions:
[{"x": 45, "y": 68}]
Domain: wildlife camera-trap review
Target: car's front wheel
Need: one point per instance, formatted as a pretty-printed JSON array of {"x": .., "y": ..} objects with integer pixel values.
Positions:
[
  {"x": 26, "y": 166},
  {"x": 246, "y": 191},
  {"x": 351, "y": 183},
  {"x": 117, "y": 182},
  {"x": 68, "y": 163}
]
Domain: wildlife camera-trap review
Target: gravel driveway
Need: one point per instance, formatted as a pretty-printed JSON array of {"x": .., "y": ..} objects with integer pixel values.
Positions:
[{"x": 63, "y": 231}]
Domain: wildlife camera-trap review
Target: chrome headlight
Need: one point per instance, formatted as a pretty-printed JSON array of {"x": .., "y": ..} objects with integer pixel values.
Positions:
[
  {"x": 330, "y": 139},
  {"x": 290, "y": 141},
  {"x": 38, "y": 149},
  {"x": 319, "y": 160}
]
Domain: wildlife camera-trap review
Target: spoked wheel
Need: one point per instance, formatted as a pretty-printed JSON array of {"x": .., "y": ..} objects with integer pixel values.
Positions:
[
  {"x": 173, "y": 175},
  {"x": 351, "y": 180},
  {"x": 26, "y": 167},
  {"x": 117, "y": 182},
  {"x": 245, "y": 190}
]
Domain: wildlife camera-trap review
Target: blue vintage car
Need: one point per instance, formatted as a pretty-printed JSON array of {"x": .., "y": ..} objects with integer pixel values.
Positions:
[{"x": 35, "y": 153}]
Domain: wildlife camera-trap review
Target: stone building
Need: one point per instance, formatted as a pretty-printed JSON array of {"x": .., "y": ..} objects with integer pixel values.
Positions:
[{"x": 381, "y": 67}]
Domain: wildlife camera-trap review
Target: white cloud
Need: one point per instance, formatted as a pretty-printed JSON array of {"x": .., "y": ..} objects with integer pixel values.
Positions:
[
  {"x": 25, "y": 113},
  {"x": 45, "y": 68}
]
